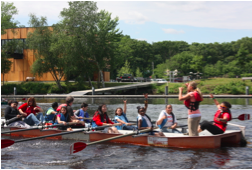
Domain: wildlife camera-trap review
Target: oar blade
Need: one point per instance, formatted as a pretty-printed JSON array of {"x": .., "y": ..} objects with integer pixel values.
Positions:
[
  {"x": 6, "y": 143},
  {"x": 244, "y": 117},
  {"x": 77, "y": 146}
]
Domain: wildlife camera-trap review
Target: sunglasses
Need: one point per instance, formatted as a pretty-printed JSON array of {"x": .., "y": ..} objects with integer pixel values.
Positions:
[{"x": 222, "y": 106}]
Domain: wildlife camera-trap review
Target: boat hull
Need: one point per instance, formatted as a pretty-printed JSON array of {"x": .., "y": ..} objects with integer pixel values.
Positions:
[{"x": 230, "y": 138}]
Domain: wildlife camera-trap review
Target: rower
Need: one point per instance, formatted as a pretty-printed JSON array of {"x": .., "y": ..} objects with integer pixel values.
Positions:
[
  {"x": 101, "y": 118},
  {"x": 221, "y": 117},
  {"x": 167, "y": 119},
  {"x": 120, "y": 117},
  {"x": 34, "y": 112},
  {"x": 82, "y": 113},
  {"x": 13, "y": 117},
  {"x": 51, "y": 113},
  {"x": 62, "y": 118},
  {"x": 144, "y": 121}
]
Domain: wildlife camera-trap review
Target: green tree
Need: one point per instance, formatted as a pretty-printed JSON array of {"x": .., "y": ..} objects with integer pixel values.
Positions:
[
  {"x": 90, "y": 41},
  {"x": 243, "y": 58},
  {"x": 125, "y": 69},
  {"x": 139, "y": 73},
  {"x": 48, "y": 59},
  {"x": 197, "y": 63},
  {"x": 7, "y": 12},
  {"x": 8, "y": 51}
]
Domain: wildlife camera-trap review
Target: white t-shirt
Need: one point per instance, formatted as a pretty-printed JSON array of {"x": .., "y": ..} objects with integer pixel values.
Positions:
[
  {"x": 169, "y": 119},
  {"x": 145, "y": 118}
]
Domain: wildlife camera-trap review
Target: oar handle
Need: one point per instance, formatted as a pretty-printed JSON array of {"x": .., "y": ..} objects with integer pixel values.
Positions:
[{"x": 41, "y": 127}]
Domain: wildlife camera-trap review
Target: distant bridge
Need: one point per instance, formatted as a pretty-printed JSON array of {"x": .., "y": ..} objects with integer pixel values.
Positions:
[{"x": 113, "y": 89}]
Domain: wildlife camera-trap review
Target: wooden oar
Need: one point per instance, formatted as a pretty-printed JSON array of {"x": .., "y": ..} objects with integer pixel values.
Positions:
[
  {"x": 8, "y": 142},
  {"x": 41, "y": 127},
  {"x": 12, "y": 119},
  {"x": 78, "y": 146}
]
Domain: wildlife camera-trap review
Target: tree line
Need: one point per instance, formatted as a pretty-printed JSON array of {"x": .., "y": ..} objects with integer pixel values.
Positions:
[{"x": 86, "y": 40}]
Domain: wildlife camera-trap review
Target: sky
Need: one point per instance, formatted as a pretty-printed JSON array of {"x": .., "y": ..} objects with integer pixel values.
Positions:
[{"x": 155, "y": 21}]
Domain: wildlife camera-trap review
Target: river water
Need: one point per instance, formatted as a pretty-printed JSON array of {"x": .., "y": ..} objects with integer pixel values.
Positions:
[{"x": 54, "y": 154}]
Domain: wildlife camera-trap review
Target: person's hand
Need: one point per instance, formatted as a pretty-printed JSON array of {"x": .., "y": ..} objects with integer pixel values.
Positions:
[
  {"x": 211, "y": 95},
  {"x": 64, "y": 123},
  {"x": 164, "y": 117},
  {"x": 124, "y": 101},
  {"x": 146, "y": 95},
  {"x": 128, "y": 124},
  {"x": 187, "y": 84},
  {"x": 181, "y": 88},
  {"x": 18, "y": 116},
  {"x": 35, "y": 108},
  {"x": 173, "y": 126}
]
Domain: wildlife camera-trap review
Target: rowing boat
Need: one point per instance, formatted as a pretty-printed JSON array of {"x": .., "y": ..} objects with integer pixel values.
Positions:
[{"x": 205, "y": 140}]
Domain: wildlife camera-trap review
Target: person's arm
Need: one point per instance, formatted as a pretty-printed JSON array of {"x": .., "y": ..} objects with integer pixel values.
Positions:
[
  {"x": 187, "y": 96},
  {"x": 215, "y": 101},
  {"x": 120, "y": 121},
  {"x": 97, "y": 120},
  {"x": 76, "y": 113},
  {"x": 175, "y": 123},
  {"x": 224, "y": 119},
  {"x": 38, "y": 109},
  {"x": 161, "y": 118},
  {"x": 125, "y": 106},
  {"x": 59, "y": 121}
]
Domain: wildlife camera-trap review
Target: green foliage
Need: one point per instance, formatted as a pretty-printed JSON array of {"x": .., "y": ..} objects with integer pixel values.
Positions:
[
  {"x": 138, "y": 73},
  {"x": 7, "y": 12},
  {"x": 125, "y": 69},
  {"x": 246, "y": 75}
]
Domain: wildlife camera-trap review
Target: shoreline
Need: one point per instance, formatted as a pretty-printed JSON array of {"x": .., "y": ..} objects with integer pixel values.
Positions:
[{"x": 116, "y": 96}]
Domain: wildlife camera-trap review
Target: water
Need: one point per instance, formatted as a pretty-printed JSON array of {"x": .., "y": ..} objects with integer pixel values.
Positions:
[{"x": 54, "y": 154}]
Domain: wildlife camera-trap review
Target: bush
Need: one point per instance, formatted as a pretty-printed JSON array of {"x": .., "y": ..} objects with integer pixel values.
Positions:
[{"x": 246, "y": 75}]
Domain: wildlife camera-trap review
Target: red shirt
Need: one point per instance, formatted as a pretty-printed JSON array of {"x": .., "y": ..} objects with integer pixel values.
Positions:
[
  {"x": 28, "y": 109},
  {"x": 97, "y": 119}
]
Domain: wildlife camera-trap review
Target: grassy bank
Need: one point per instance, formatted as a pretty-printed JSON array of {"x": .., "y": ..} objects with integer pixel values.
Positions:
[{"x": 213, "y": 85}]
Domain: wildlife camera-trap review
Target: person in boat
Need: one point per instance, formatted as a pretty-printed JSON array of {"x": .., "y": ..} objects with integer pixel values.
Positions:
[
  {"x": 34, "y": 112},
  {"x": 12, "y": 112},
  {"x": 82, "y": 113},
  {"x": 120, "y": 117},
  {"x": 192, "y": 100},
  {"x": 144, "y": 121},
  {"x": 51, "y": 113},
  {"x": 101, "y": 118},
  {"x": 167, "y": 121},
  {"x": 62, "y": 118},
  {"x": 221, "y": 117}
]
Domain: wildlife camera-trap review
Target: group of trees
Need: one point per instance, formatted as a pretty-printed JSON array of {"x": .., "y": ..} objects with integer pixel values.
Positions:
[{"x": 86, "y": 40}]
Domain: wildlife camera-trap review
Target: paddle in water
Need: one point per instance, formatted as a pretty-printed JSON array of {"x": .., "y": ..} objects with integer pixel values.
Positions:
[{"x": 78, "y": 146}]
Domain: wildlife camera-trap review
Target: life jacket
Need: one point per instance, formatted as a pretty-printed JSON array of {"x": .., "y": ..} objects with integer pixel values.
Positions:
[
  {"x": 101, "y": 117},
  {"x": 165, "y": 120},
  {"x": 49, "y": 117},
  {"x": 59, "y": 107},
  {"x": 62, "y": 118},
  {"x": 144, "y": 123},
  {"x": 81, "y": 113},
  {"x": 219, "y": 114},
  {"x": 121, "y": 127},
  {"x": 193, "y": 105}
]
